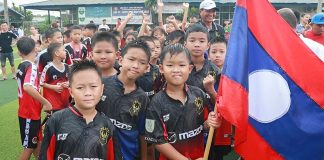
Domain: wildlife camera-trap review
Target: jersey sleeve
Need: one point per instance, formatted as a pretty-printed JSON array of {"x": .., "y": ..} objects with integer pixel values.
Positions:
[
  {"x": 68, "y": 59},
  {"x": 155, "y": 129},
  {"x": 31, "y": 75},
  {"x": 84, "y": 52},
  {"x": 44, "y": 76},
  {"x": 141, "y": 116},
  {"x": 47, "y": 150}
]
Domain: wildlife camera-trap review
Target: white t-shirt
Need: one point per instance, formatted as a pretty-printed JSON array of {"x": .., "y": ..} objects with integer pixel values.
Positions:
[
  {"x": 317, "y": 48},
  {"x": 104, "y": 26}
]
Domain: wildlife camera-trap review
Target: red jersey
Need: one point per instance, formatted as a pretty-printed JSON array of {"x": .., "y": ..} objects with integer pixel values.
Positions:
[
  {"x": 76, "y": 51},
  {"x": 87, "y": 43},
  {"x": 315, "y": 37},
  {"x": 28, "y": 106},
  {"x": 52, "y": 75}
]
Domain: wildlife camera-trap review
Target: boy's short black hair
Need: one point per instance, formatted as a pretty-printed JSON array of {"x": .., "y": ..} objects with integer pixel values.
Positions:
[
  {"x": 103, "y": 30},
  {"x": 197, "y": 28},
  {"x": 105, "y": 36},
  {"x": 135, "y": 34},
  {"x": 116, "y": 33},
  {"x": 174, "y": 50},
  {"x": 52, "y": 48},
  {"x": 146, "y": 39},
  {"x": 158, "y": 28},
  {"x": 218, "y": 39},
  {"x": 82, "y": 66},
  {"x": 174, "y": 35},
  {"x": 137, "y": 44},
  {"x": 75, "y": 27},
  {"x": 2, "y": 22},
  {"x": 91, "y": 26},
  {"x": 25, "y": 45},
  {"x": 67, "y": 33},
  {"x": 127, "y": 29},
  {"x": 49, "y": 33}
]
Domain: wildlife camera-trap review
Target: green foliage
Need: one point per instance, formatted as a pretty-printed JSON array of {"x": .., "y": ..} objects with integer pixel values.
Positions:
[
  {"x": 29, "y": 14},
  {"x": 43, "y": 26},
  {"x": 150, "y": 4}
]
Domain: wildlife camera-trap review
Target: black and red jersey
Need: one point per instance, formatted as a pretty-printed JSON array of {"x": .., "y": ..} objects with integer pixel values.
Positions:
[
  {"x": 196, "y": 77},
  {"x": 148, "y": 80},
  {"x": 77, "y": 52},
  {"x": 127, "y": 112},
  {"x": 43, "y": 58},
  {"x": 87, "y": 43},
  {"x": 68, "y": 136},
  {"x": 29, "y": 107},
  {"x": 54, "y": 76},
  {"x": 170, "y": 121}
]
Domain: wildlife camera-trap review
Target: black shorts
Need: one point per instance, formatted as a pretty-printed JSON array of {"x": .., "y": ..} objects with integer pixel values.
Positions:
[{"x": 29, "y": 132}]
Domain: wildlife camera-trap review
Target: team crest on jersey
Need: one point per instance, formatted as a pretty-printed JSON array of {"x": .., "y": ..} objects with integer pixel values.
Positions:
[
  {"x": 172, "y": 137},
  {"x": 35, "y": 140},
  {"x": 212, "y": 73},
  {"x": 64, "y": 157},
  {"x": 149, "y": 125},
  {"x": 55, "y": 77},
  {"x": 199, "y": 104},
  {"x": 104, "y": 133},
  {"x": 154, "y": 76},
  {"x": 136, "y": 106}
]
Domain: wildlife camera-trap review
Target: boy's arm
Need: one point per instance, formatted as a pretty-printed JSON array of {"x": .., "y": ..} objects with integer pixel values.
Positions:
[
  {"x": 170, "y": 152},
  {"x": 30, "y": 90},
  {"x": 143, "y": 30},
  {"x": 160, "y": 10},
  {"x": 143, "y": 145},
  {"x": 185, "y": 16},
  {"x": 123, "y": 24},
  {"x": 44, "y": 79}
]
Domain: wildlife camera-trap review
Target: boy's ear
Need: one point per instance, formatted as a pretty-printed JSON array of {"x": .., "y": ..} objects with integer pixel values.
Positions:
[
  {"x": 190, "y": 68},
  {"x": 185, "y": 43},
  {"x": 161, "y": 68},
  {"x": 70, "y": 91},
  {"x": 103, "y": 87},
  {"x": 120, "y": 60}
]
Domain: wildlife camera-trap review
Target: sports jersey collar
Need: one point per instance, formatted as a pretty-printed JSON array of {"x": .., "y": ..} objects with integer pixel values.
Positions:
[
  {"x": 120, "y": 84},
  {"x": 204, "y": 66},
  {"x": 186, "y": 89},
  {"x": 75, "y": 111}
]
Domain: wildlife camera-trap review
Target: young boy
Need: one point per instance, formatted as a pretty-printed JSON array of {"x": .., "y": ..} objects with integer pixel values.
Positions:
[
  {"x": 90, "y": 29},
  {"x": 175, "y": 118},
  {"x": 80, "y": 132},
  {"x": 30, "y": 100},
  {"x": 104, "y": 53},
  {"x": 67, "y": 37},
  {"x": 125, "y": 103},
  {"x": 146, "y": 82},
  {"x": 76, "y": 49},
  {"x": 53, "y": 35},
  {"x": 224, "y": 134},
  {"x": 54, "y": 78},
  {"x": 204, "y": 71}
]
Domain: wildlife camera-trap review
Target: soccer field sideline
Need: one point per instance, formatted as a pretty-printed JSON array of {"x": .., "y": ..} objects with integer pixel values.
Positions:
[{"x": 7, "y": 64}]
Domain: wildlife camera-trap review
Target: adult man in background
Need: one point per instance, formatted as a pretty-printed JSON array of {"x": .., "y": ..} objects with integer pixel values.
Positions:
[
  {"x": 208, "y": 14},
  {"x": 317, "y": 24}
]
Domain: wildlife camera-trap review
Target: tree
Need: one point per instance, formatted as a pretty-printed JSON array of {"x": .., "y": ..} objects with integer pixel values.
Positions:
[
  {"x": 150, "y": 4},
  {"x": 29, "y": 14}
]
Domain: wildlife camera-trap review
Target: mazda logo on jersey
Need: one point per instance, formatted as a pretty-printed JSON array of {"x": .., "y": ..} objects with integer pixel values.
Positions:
[
  {"x": 199, "y": 104},
  {"x": 135, "y": 108},
  {"x": 104, "y": 133},
  {"x": 64, "y": 157}
]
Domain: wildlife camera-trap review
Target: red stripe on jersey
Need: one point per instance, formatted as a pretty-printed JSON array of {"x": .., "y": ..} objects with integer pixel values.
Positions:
[
  {"x": 165, "y": 133},
  {"x": 110, "y": 150},
  {"x": 51, "y": 148}
]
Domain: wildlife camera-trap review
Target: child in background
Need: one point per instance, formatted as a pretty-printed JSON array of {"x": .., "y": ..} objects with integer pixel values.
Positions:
[
  {"x": 157, "y": 50},
  {"x": 146, "y": 81},
  {"x": 90, "y": 29},
  {"x": 174, "y": 37},
  {"x": 131, "y": 36},
  {"x": 104, "y": 53},
  {"x": 224, "y": 134},
  {"x": 67, "y": 37},
  {"x": 159, "y": 33},
  {"x": 80, "y": 131},
  {"x": 30, "y": 100},
  {"x": 76, "y": 49},
  {"x": 124, "y": 102},
  {"x": 204, "y": 71},
  {"x": 54, "y": 78},
  {"x": 176, "y": 116}
]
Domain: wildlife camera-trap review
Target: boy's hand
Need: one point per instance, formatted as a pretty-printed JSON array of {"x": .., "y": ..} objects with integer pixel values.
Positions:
[
  {"x": 58, "y": 88},
  {"x": 129, "y": 15},
  {"x": 208, "y": 83},
  {"x": 160, "y": 6},
  {"x": 214, "y": 120},
  {"x": 185, "y": 6},
  {"x": 65, "y": 84},
  {"x": 146, "y": 19},
  {"x": 47, "y": 107}
]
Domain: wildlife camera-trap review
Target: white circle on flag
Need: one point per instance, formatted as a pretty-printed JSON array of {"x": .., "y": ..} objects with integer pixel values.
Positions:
[{"x": 269, "y": 96}]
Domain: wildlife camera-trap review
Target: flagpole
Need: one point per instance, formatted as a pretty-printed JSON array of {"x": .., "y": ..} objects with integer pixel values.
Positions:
[{"x": 210, "y": 138}]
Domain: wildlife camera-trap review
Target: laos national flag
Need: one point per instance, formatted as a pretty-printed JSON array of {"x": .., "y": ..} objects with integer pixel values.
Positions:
[{"x": 272, "y": 88}]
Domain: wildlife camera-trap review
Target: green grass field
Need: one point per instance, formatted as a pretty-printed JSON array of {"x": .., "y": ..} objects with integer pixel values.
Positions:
[{"x": 10, "y": 144}]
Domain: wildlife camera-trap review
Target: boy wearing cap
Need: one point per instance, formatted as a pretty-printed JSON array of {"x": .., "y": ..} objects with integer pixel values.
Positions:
[
  {"x": 317, "y": 24},
  {"x": 207, "y": 14}
]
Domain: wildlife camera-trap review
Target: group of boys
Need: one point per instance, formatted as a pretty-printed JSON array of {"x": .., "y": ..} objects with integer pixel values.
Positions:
[{"x": 127, "y": 102}]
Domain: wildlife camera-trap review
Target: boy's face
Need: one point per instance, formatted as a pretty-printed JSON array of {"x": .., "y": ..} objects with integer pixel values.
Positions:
[
  {"x": 158, "y": 48},
  {"x": 61, "y": 53},
  {"x": 152, "y": 48},
  {"x": 76, "y": 35},
  {"x": 66, "y": 39},
  {"x": 130, "y": 38},
  {"x": 104, "y": 55},
  {"x": 159, "y": 35},
  {"x": 197, "y": 43},
  {"x": 176, "y": 69},
  {"x": 217, "y": 53},
  {"x": 134, "y": 62},
  {"x": 86, "y": 89},
  {"x": 170, "y": 28},
  {"x": 88, "y": 32},
  {"x": 57, "y": 38}
]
